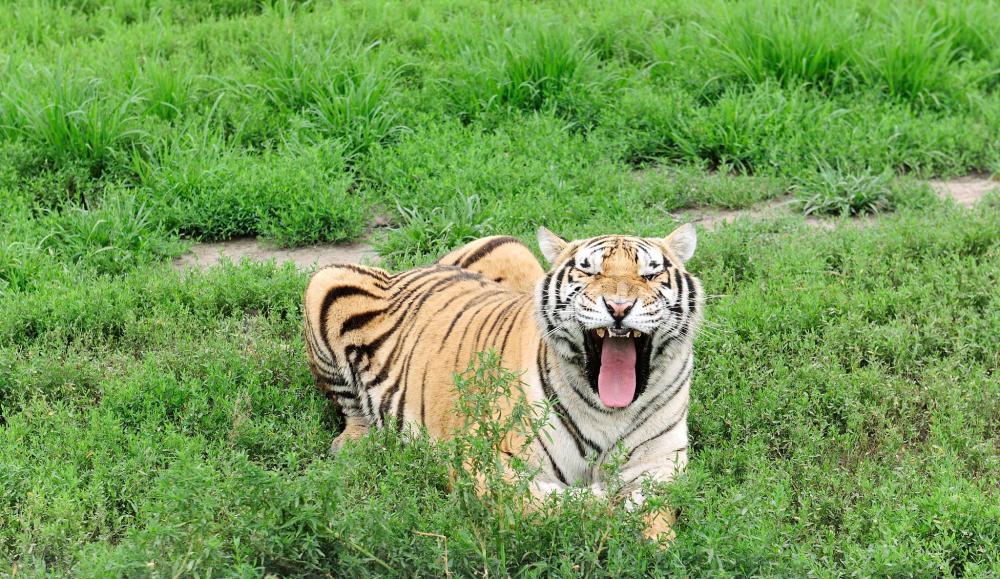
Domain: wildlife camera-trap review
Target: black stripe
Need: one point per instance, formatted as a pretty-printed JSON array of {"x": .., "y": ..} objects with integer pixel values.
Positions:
[
  {"x": 564, "y": 417},
  {"x": 414, "y": 309},
  {"x": 461, "y": 341},
  {"x": 670, "y": 391},
  {"x": 513, "y": 324},
  {"x": 678, "y": 283},
  {"x": 682, "y": 415},
  {"x": 477, "y": 300},
  {"x": 452, "y": 276},
  {"x": 692, "y": 305},
  {"x": 372, "y": 347},
  {"x": 334, "y": 295},
  {"x": 325, "y": 355},
  {"x": 411, "y": 311},
  {"x": 372, "y": 273},
  {"x": 423, "y": 396},
  {"x": 341, "y": 392},
  {"x": 502, "y": 315},
  {"x": 358, "y": 321},
  {"x": 486, "y": 249},
  {"x": 403, "y": 380},
  {"x": 401, "y": 290},
  {"x": 545, "y": 297},
  {"x": 387, "y": 399},
  {"x": 555, "y": 467}
]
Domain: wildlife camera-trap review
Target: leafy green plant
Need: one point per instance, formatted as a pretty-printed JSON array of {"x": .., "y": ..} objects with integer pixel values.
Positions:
[
  {"x": 529, "y": 68},
  {"x": 170, "y": 90},
  {"x": 202, "y": 186},
  {"x": 497, "y": 422},
  {"x": 359, "y": 114},
  {"x": 113, "y": 238},
  {"x": 832, "y": 192},
  {"x": 970, "y": 26},
  {"x": 350, "y": 101}
]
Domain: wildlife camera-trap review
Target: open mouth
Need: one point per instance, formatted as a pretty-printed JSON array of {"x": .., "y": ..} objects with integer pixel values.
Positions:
[{"x": 617, "y": 364}]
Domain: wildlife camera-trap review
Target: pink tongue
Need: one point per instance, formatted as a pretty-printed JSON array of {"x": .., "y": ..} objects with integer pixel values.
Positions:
[{"x": 616, "y": 382}]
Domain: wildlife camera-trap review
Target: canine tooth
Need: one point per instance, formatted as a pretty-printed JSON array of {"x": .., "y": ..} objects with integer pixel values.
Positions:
[
  {"x": 600, "y": 332},
  {"x": 637, "y": 333}
]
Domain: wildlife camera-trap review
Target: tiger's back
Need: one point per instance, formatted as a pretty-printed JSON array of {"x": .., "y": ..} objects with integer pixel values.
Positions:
[{"x": 387, "y": 346}]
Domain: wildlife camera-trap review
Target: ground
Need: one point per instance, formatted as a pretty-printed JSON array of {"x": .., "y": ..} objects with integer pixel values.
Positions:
[
  {"x": 965, "y": 191},
  {"x": 159, "y": 419}
]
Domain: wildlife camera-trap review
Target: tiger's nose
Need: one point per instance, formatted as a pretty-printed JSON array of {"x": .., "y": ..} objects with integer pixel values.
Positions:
[{"x": 618, "y": 308}]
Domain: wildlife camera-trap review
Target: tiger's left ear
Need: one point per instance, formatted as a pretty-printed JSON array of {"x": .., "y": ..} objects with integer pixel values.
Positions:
[
  {"x": 551, "y": 244},
  {"x": 682, "y": 241}
]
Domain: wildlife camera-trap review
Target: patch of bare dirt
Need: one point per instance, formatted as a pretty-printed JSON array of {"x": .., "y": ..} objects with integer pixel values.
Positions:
[
  {"x": 205, "y": 255},
  {"x": 966, "y": 191},
  {"x": 709, "y": 218}
]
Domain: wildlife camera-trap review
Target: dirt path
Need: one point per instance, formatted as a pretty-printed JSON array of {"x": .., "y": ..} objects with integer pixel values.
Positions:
[
  {"x": 710, "y": 218},
  {"x": 205, "y": 255},
  {"x": 965, "y": 191}
]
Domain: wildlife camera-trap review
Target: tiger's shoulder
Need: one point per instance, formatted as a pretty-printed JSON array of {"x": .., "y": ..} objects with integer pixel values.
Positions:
[{"x": 503, "y": 259}]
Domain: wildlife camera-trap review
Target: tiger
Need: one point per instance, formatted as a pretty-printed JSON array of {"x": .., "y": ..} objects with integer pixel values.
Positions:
[{"x": 604, "y": 338}]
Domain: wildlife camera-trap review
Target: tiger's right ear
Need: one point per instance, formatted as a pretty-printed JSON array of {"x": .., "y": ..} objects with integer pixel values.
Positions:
[{"x": 550, "y": 244}]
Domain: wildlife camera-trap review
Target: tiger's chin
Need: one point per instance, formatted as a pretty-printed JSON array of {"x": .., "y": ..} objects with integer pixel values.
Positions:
[{"x": 617, "y": 364}]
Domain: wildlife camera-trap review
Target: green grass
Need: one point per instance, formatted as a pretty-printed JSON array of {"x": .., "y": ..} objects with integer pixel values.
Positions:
[
  {"x": 845, "y": 408},
  {"x": 71, "y": 120},
  {"x": 792, "y": 43}
]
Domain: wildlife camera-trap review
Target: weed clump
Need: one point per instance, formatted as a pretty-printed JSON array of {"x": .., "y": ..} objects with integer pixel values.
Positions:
[
  {"x": 71, "y": 119},
  {"x": 300, "y": 194},
  {"x": 493, "y": 473},
  {"x": 530, "y": 68},
  {"x": 791, "y": 43},
  {"x": 833, "y": 192},
  {"x": 497, "y": 422},
  {"x": 344, "y": 94}
]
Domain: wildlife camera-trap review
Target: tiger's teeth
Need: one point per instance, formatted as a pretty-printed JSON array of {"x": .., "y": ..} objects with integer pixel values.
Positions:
[
  {"x": 600, "y": 332},
  {"x": 637, "y": 333}
]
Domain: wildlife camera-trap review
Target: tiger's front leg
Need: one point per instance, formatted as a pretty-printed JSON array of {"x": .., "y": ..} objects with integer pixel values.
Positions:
[
  {"x": 541, "y": 486},
  {"x": 661, "y": 466}
]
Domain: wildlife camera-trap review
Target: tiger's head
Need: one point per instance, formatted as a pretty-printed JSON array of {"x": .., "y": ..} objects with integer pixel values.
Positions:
[{"x": 615, "y": 304}]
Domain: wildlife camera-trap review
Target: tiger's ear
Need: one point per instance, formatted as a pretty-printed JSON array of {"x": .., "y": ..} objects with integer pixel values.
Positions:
[
  {"x": 682, "y": 241},
  {"x": 550, "y": 244}
]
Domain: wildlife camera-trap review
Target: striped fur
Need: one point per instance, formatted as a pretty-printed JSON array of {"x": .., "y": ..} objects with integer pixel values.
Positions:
[{"x": 387, "y": 346}]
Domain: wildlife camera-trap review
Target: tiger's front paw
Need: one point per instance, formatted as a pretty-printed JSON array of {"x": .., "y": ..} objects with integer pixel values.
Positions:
[
  {"x": 659, "y": 527},
  {"x": 354, "y": 429}
]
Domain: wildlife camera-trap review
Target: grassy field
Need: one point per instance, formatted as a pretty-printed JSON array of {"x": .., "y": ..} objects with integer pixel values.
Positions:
[{"x": 845, "y": 417}]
